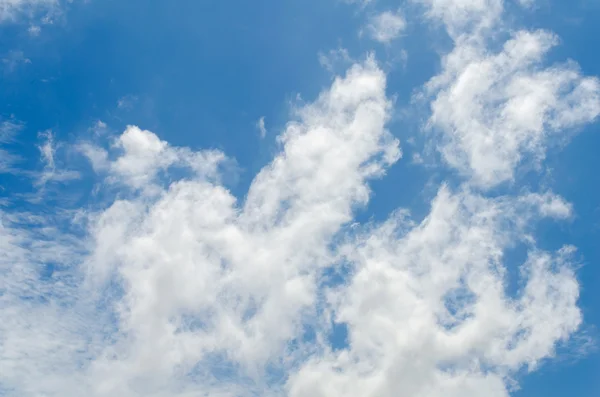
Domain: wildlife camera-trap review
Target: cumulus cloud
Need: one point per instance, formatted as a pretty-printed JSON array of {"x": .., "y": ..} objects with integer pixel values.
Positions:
[
  {"x": 465, "y": 18},
  {"x": 386, "y": 26},
  {"x": 498, "y": 109},
  {"x": 173, "y": 286},
  {"x": 182, "y": 288},
  {"x": 143, "y": 158},
  {"x": 427, "y": 310}
]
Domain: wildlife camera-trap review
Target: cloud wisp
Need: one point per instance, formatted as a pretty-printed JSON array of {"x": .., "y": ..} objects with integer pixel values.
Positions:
[
  {"x": 10, "y": 9},
  {"x": 386, "y": 26}
]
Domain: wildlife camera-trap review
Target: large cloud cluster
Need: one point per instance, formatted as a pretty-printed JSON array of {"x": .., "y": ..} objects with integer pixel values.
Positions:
[{"x": 175, "y": 287}]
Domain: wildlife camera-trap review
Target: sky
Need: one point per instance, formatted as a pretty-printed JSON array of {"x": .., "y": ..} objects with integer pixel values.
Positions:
[{"x": 312, "y": 198}]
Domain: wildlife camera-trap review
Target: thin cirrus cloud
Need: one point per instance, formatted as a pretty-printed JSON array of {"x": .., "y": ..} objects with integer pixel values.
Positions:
[
  {"x": 11, "y": 9},
  {"x": 8, "y": 160},
  {"x": 174, "y": 287},
  {"x": 262, "y": 130}
]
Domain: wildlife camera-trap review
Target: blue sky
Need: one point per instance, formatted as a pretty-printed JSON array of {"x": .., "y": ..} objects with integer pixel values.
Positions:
[{"x": 179, "y": 183}]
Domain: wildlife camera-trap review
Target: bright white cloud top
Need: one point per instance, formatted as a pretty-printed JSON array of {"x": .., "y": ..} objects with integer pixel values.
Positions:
[{"x": 171, "y": 286}]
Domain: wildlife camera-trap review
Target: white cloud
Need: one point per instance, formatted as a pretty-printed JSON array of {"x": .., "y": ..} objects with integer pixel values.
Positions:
[
  {"x": 177, "y": 288},
  {"x": 465, "y": 18},
  {"x": 51, "y": 172},
  {"x": 498, "y": 110},
  {"x": 386, "y": 26},
  {"x": 527, "y": 3},
  {"x": 127, "y": 102},
  {"x": 427, "y": 308},
  {"x": 334, "y": 59},
  {"x": 8, "y": 159},
  {"x": 143, "y": 157},
  {"x": 34, "y": 30},
  {"x": 11, "y": 9},
  {"x": 417, "y": 158},
  {"x": 261, "y": 127}
]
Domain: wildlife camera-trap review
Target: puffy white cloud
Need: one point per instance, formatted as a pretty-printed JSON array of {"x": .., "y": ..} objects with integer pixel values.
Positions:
[
  {"x": 496, "y": 110},
  {"x": 465, "y": 17},
  {"x": 177, "y": 288},
  {"x": 142, "y": 157},
  {"x": 386, "y": 26},
  {"x": 204, "y": 280},
  {"x": 427, "y": 309}
]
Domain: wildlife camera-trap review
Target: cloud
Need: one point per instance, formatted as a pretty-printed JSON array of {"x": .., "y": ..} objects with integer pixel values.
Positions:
[
  {"x": 142, "y": 158},
  {"x": 261, "y": 127},
  {"x": 527, "y": 3},
  {"x": 496, "y": 110},
  {"x": 427, "y": 309},
  {"x": 127, "y": 102},
  {"x": 34, "y": 30},
  {"x": 169, "y": 285},
  {"x": 362, "y": 3},
  {"x": 465, "y": 18},
  {"x": 334, "y": 59},
  {"x": 175, "y": 287},
  {"x": 11, "y": 9},
  {"x": 51, "y": 172},
  {"x": 386, "y": 26},
  {"x": 8, "y": 160},
  {"x": 13, "y": 59}
]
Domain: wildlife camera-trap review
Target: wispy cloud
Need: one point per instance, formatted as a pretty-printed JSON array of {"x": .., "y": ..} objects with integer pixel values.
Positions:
[
  {"x": 34, "y": 30},
  {"x": 51, "y": 172},
  {"x": 334, "y": 59},
  {"x": 13, "y": 9},
  {"x": 127, "y": 102},
  {"x": 8, "y": 159},
  {"x": 260, "y": 124},
  {"x": 386, "y": 26},
  {"x": 13, "y": 60}
]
